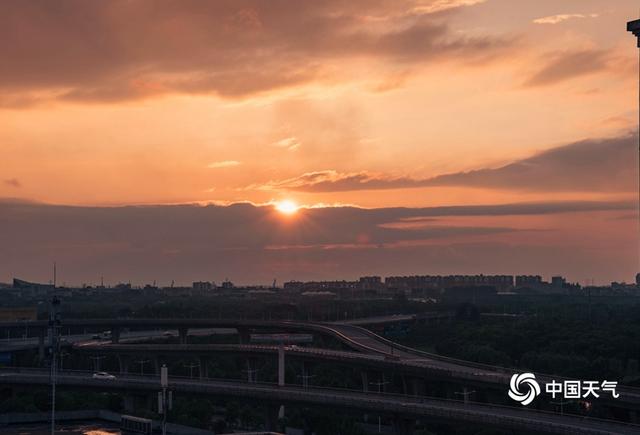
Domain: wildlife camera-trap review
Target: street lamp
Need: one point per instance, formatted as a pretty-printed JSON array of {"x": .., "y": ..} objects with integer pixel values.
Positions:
[
  {"x": 380, "y": 384},
  {"x": 96, "y": 362},
  {"x": 191, "y": 367},
  {"x": 165, "y": 399},
  {"x": 54, "y": 343},
  {"x": 142, "y": 362},
  {"x": 465, "y": 394},
  {"x": 634, "y": 27}
]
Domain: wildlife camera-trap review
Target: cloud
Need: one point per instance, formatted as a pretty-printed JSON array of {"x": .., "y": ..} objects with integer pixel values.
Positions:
[
  {"x": 253, "y": 243},
  {"x": 289, "y": 143},
  {"x": 223, "y": 164},
  {"x": 555, "y": 19},
  {"x": 602, "y": 165},
  {"x": 120, "y": 50},
  {"x": 561, "y": 66},
  {"x": 434, "y": 6},
  {"x": 13, "y": 182}
]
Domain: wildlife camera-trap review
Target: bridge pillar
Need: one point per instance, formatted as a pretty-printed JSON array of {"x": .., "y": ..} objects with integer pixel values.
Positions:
[
  {"x": 128, "y": 403},
  {"x": 41, "y": 335},
  {"x": 183, "y": 332},
  {"x": 365, "y": 381},
  {"x": 281, "y": 365},
  {"x": 243, "y": 335},
  {"x": 305, "y": 374},
  {"x": 418, "y": 387},
  {"x": 251, "y": 371},
  {"x": 203, "y": 366},
  {"x": 123, "y": 363},
  {"x": 115, "y": 334}
]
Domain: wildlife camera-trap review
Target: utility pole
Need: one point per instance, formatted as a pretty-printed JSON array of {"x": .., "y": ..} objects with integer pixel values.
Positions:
[
  {"x": 634, "y": 27},
  {"x": 305, "y": 379},
  {"x": 165, "y": 397},
  {"x": 96, "y": 361},
  {"x": 142, "y": 362},
  {"x": 54, "y": 343},
  {"x": 191, "y": 367},
  {"x": 465, "y": 394},
  {"x": 379, "y": 384}
]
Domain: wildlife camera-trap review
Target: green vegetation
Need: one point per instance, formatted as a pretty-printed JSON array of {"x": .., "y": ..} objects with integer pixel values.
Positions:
[{"x": 555, "y": 335}]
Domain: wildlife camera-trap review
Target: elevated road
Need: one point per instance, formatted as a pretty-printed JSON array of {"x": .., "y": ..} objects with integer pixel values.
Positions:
[
  {"x": 353, "y": 336},
  {"x": 406, "y": 407}
]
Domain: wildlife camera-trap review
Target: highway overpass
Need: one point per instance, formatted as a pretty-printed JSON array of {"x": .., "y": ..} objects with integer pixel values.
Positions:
[
  {"x": 404, "y": 409},
  {"x": 355, "y": 337}
]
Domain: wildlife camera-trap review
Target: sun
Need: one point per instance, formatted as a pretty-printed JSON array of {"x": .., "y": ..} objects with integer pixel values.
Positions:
[{"x": 287, "y": 207}]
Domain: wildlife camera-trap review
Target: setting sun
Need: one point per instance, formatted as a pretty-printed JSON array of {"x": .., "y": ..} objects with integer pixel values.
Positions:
[{"x": 287, "y": 207}]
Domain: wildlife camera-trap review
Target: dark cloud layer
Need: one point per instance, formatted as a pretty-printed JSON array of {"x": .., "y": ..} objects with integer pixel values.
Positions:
[
  {"x": 242, "y": 241},
  {"x": 115, "y": 50},
  {"x": 13, "y": 182},
  {"x": 606, "y": 165},
  {"x": 561, "y": 66}
]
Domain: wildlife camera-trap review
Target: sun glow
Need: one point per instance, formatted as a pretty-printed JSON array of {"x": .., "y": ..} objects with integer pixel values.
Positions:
[{"x": 287, "y": 207}]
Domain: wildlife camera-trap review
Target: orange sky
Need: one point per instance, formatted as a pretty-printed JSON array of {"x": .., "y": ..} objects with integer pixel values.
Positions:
[{"x": 338, "y": 103}]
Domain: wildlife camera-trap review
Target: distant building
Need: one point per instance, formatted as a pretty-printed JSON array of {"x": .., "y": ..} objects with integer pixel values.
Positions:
[
  {"x": 368, "y": 283},
  {"x": 412, "y": 283},
  {"x": 558, "y": 282},
  {"x": 123, "y": 286},
  {"x": 530, "y": 281},
  {"x": 202, "y": 286}
]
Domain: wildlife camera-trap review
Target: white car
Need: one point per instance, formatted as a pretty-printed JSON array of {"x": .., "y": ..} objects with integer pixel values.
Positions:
[{"x": 103, "y": 375}]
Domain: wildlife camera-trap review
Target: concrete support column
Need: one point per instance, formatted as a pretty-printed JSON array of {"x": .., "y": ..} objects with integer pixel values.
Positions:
[
  {"x": 251, "y": 371},
  {"x": 281, "y": 365},
  {"x": 244, "y": 336},
  {"x": 203, "y": 366},
  {"x": 129, "y": 403},
  {"x": 305, "y": 374},
  {"x": 365, "y": 381},
  {"x": 183, "y": 332},
  {"x": 418, "y": 387},
  {"x": 123, "y": 363},
  {"x": 115, "y": 334},
  {"x": 41, "y": 336}
]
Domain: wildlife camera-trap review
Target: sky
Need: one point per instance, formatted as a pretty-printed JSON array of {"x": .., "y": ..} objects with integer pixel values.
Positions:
[{"x": 252, "y": 140}]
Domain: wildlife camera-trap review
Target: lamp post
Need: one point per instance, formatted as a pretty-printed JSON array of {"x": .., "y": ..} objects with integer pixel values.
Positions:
[
  {"x": 142, "y": 362},
  {"x": 165, "y": 402},
  {"x": 379, "y": 384},
  {"x": 54, "y": 330},
  {"x": 634, "y": 27}
]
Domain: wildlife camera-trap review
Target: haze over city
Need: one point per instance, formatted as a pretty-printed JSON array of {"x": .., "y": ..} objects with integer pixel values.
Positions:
[{"x": 251, "y": 141}]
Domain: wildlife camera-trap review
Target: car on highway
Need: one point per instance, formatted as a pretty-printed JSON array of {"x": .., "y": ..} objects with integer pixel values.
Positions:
[{"x": 103, "y": 375}]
